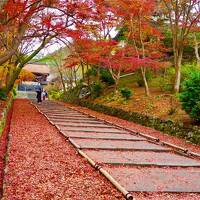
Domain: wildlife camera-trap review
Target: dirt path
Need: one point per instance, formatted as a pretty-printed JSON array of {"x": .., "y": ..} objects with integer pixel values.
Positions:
[
  {"x": 42, "y": 165},
  {"x": 149, "y": 170}
]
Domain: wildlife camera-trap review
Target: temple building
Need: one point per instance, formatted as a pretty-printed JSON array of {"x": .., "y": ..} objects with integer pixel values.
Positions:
[{"x": 40, "y": 70}]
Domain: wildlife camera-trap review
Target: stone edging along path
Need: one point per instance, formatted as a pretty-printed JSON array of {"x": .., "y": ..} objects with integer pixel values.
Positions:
[
  {"x": 155, "y": 134},
  {"x": 189, "y": 133},
  {"x": 43, "y": 165},
  {"x": 108, "y": 146}
]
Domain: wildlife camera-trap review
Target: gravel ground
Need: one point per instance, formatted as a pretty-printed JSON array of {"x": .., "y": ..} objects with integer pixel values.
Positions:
[
  {"x": 44, "y": 166},
  {"x": 131, "y": 125}
]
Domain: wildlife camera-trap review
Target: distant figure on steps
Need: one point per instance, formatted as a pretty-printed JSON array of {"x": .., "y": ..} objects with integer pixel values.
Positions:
[
  {"x": 39, "y": 95},
  {"x": 43, "y": 95}
]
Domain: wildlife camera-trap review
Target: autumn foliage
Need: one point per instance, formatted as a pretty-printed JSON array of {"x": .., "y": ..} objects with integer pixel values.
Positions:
[{"x": 90, "y": 28}]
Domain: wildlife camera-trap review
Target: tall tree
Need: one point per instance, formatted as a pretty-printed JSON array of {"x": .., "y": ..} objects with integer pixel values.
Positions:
[
  {"x": 196, "y": 38},
  {"x": 140, "y": 31},
  {"x": 34, "y": 25},
  {"x": 182, "y": 16}
]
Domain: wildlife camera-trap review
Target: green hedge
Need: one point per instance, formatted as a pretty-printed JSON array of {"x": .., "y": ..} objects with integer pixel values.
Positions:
[{"x": 190, "y": 133}]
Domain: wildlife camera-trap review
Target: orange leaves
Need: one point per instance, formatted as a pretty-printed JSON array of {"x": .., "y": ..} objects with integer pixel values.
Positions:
[
  {"x": 72, "y": 61},
  {"x": 25, "y": 76},
  {"x": 129, "y": 8}
]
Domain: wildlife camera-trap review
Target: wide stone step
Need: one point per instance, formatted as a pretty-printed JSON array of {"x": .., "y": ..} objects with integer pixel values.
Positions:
[
  {"x": 152, "y": 179},
  {"x": 142, "y": 158},
  {"x": 118, "y": 145},
  {"x": 111, "y": 136},
  {"x": 92, "y": 129},
  {"x": 71, "y": 118},
  {"x": 76, "y": 124},
  {"x": 79, "y": 121}
]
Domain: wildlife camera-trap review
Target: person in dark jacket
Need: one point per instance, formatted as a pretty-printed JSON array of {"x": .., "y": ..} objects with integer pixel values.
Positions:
[{"x": 39, "y": 95}]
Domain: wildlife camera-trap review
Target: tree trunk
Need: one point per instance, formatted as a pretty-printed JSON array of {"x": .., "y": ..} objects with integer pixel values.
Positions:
[
  {"x": 2, "y": 77},
  {"x": 12, "y": 78},
  {"x": 15, "y": 73},
  {"x": 177, "y": 61},
  {"x": 62, "y": 80},
  {"x": 75, "y": 77},
  {"x": 88, "y": 76},
  {"x": 98, "y": 73},
  {"x": 143, "y": 72},
  {"x": 117, "y": 79},
  {"x": 115, "y": 76},
  {"x": 196, "y": 48},
  {"x": 71, "y": 78},
  {"x": 83, "y": 73}
]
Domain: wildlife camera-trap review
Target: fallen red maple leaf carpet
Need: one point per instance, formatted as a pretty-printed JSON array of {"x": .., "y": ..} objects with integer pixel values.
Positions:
[
  {"x": 42, "y": 165},
  {"x": 3, "y": 145}
]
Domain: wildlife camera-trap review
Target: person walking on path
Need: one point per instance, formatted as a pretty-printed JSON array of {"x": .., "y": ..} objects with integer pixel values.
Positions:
[
  {"x": 46, "y": 95},
  {"x": 43, "y": 95},
  {"x": 39, "y": 95}
]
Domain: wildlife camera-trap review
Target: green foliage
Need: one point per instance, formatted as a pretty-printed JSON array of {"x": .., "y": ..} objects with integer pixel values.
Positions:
[
  {"x": 55, "y": 94},
  {"x": 168, "y": 38},
  {"x": 121, "y": 33},
  {"x": 164, "y": 83},
  {"x": 165, "y": 80},
  {"x": 3, "y": 94},
  {"x": 106, "y": 77},
  {"x": 96, "y": 89},
  {"x": 14, "y": 92},
  {"x": 186, "y": 70},
  {"x": 190, "y": 96},
  {"x": 127, "y": 81},
  {"x": 126, "y": 92},
  {"x": 115, "y": 96},
  {"x": 72, "y": 95},
  {"x": 139, "y": 79},
  {"x": 91, "y": 72}
]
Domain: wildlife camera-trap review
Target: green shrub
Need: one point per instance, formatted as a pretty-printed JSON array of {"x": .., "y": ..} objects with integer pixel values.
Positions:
[
  {"x": 165, "y": 84},
  {"x": 190, "y": 96},
  {"x": 14, "y": 92},
  {"x": 187, "y": 70},
  {"x": 72, "y": 94},
  {"x": 2, "y": 94},
  {"x": 106, "y": 77},
  {"x": 115, "y": 96},
  {"x": 126, "y": 92},
  {"x": 91, "y": 72},
  {"x": 54, "y": 94},
  {"x": 164, "y": 79},
  {"x": 96, "y": 89},
  {"x": 139, "y": 79}
]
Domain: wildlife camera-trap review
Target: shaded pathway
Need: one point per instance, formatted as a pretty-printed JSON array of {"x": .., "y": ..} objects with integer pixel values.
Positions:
[{"x": 44, "y": 166}]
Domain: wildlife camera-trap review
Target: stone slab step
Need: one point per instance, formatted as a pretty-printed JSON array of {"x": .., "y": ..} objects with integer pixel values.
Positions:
[
  {"x": 142, "y": 158},
  {"x": 150, "y": 179},
  {"x": 105, "y": 136},
  {"x": 118, "y": 145}
]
